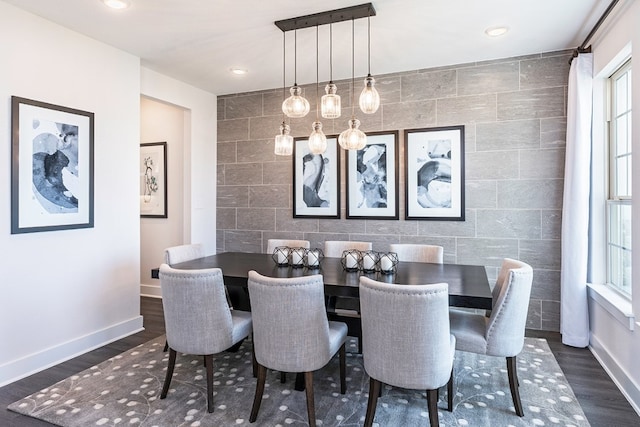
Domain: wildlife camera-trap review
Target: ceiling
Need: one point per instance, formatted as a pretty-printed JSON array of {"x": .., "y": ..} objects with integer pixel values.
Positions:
[{"x": 199, "y": 41}]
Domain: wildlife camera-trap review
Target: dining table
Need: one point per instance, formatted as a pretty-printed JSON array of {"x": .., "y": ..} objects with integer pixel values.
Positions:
[{"x": 468, "y": 284}]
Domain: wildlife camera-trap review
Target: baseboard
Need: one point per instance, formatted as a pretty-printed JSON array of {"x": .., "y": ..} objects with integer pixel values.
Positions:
[
  {"x": 625, "y": 384},
  {"x": 152, "y": 291},
  {"x": 36, "y": 362}
]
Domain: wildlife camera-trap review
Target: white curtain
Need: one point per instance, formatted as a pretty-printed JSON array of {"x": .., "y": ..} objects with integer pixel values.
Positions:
[{"x": 574, "y": 314}]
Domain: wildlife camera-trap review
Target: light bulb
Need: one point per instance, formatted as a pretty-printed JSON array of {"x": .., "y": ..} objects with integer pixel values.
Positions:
[
  {"x": 284, "y": 141},
  {"x": 317, "y": 139},
  {"x": 117, "y": 4},
  {"x": 369, "y": 97},
  {"x": 296, "y": 105},
  {"x": 353, "y": 138},
  {"x": 331, "y": 105}
]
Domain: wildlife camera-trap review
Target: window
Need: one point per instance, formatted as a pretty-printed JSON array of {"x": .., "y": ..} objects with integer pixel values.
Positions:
[{"x": 619, "y": 194}]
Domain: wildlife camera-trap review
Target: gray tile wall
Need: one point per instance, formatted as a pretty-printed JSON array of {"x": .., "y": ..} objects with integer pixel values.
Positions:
[{"x": 514, "y": 113}]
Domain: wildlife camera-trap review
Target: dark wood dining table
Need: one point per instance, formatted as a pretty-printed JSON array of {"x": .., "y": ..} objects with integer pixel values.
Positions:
[{"x": 468, "y": 284}]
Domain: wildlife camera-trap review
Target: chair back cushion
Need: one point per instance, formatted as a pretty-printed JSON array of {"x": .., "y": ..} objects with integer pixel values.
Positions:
[
  {"x": 183, "y": 253},
  {"x": 290, "y": 327},
  {"x": 196, "y": 315},
  {"x": 405, "y": 333},
  {"x": 334, "y": 248},
  {"x": 272, "y": 244},
  {"x": 506, "y": 326},
  {"x": 418, "y": 253}
]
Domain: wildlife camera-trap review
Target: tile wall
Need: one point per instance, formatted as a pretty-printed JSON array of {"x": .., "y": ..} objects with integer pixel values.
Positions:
[{"x": 514, "y": 113}]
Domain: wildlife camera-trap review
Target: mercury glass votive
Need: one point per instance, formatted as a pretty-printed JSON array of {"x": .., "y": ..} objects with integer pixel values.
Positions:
[
  {"x": 281, "y": 255},
  {"x": 351, "y": 259},
  {"x": 388, "y": 262}
]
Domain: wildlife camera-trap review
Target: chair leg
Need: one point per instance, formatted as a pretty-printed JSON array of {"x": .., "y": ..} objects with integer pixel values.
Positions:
[
  {"x": 208, "y": 361},
  {"x": 311, "y": 407},
  {"x": 166, "y": 346},
  {"x": 167, "y": 378},
  {"x": 343, "y": 369},
  {"x": 432, "y": 404},
  {"x": 512, "y": 370},
  {"x": 374, "y": 392},
  {"x": 450, "y": 393},
  {"x": 283, "y": 377},
  {"x": 257, "y": 399}
]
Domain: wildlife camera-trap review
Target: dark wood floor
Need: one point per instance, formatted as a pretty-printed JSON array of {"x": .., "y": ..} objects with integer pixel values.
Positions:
[{"x": 601, "y": 401}]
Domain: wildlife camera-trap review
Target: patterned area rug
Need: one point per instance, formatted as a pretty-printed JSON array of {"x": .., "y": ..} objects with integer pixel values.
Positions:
[{"x": 125, "y": 390}]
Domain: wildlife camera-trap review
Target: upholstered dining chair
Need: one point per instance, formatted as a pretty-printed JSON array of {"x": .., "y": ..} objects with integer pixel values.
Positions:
[
  {"x": 395, "y": 351},
  {"x": 291, "y": 332},
  {"x": 350, "y": 307},
  {"x": 183, "y": 253},
  {"x": 198, "y": 319},
  {"x": 272, "y": 244},
  {"x": 334, "y": 248},
  {"x": 418, "y": 253},
  {"x": 502, "y": 333}
]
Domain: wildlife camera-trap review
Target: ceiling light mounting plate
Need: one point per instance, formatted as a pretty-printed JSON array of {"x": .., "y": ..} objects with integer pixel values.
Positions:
[{"x": 328, "y": 17}]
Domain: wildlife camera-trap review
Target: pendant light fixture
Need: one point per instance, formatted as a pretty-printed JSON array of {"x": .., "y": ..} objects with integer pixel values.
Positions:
[
  {"x": 353, "y": 138},
  {"x": 284, "y": 141},
  {"x": 369, "y": 97},
  {"x": 317, "y": 139},
  {"x": 331, "y": 106},
  {"x": 296, "y": 105}
]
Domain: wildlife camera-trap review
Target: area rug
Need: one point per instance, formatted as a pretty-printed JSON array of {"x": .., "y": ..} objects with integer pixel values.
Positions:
[{"x": 125, "y": 390}]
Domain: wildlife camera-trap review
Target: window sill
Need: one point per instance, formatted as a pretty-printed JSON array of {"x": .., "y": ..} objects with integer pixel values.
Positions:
[{"x": 617, "y": 305}]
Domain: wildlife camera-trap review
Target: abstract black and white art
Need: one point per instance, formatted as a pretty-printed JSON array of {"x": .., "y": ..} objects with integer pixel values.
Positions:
[
  {"x": 316, "y": 180},
  {"x": 52, "y": 167},
  {"x": 153, "y": 180},
  {"x": 435, "y": 173},
  {"x": 372, "y": 178}
]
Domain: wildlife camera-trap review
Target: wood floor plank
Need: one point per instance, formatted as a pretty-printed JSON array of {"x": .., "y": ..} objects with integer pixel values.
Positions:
[{"x": 602, "y": 402}]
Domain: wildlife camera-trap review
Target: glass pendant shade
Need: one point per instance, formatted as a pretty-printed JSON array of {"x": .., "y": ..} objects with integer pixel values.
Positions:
[
  {"x": 369, "y": 97},
  {"x": 331, "y": 105},
  {"x": 284, "y": 141},
  {"x": 317, "y": 139},
  {"x": 353, "y": 138},
  {"x": 296, "y": 105}
]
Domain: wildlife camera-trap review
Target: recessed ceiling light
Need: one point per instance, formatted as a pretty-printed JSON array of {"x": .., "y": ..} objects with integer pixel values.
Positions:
[
  {"x": 496, "y": 31},
  {"x": 239, "y": 71},
  {"x": 117, "y": 4}
]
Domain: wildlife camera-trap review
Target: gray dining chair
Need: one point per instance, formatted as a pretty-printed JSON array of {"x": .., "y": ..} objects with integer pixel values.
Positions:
[
  {"x": 183, "y": 253},
  {"x": 349, "y": 307},
  {"x": 291, "y": 332},
  {"x": 502, "y": 333},
  {"x": 198, "y": 319},
  {"x": 334, "y": 248},
  {"x": 409, "y": 252},
  {"x": 395, "y": 351},
  {"x": 272, "y": 244}
]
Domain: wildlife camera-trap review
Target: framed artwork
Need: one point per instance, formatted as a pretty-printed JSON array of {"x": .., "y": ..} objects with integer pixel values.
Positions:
[
  {"x": 153, "y": 180},
  {"x": 435, "y": 173},
  {"x": 372, "y": 178},
  {"x": 316, "y": 180},
  {"x": 51, "y": 167}
]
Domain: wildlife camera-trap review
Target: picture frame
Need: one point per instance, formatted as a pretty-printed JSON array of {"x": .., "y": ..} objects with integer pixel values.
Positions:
[
  {"x": 372, "y": 178},
  {"x": 434, "y": 173},
  {"x": 316, "y": 180},
  {"x": 52, "y": 175},
  {"x": 153, "y": 180}
]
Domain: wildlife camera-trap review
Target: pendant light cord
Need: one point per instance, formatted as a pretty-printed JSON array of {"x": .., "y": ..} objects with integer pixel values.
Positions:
[
  {"x": 284, "y": 72},
  {"x": 317, "y": 78},
  {"x": 369, "y": 43},
  {"x": 295, "y": 58},
  {"x": 331, "y": 53},
  {"x": 353, "y": 61}
]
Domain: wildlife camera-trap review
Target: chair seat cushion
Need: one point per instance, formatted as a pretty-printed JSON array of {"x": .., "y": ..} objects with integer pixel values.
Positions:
[
  {"x": 469, "y": 330},
  {"x": 337, "y": 336},
  {"x": 242, "y": 325}
]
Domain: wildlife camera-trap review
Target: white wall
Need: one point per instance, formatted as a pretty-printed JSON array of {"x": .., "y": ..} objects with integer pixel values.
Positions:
[
  {"x": 66, "y": 292},
  {"x": 613, "y": 341},
  {"x": 162, "y": 122},
  {"x": 200, "y": 154}
]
